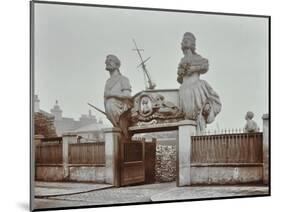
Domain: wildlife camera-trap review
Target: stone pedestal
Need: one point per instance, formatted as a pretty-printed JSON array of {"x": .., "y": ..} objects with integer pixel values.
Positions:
[
  {"x": 112, "y": 142},
  {"x": 265, "y": 118},
  {"x": 186, "y": 129},
  {"x": 68, "y": 138}
]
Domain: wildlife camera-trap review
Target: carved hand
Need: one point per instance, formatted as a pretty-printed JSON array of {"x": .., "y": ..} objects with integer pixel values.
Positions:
[{"x": 206, "y": 110}]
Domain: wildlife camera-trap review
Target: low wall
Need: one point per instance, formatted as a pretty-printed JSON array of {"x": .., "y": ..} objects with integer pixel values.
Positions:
[
  {"x": 227, "y": 159},
  {"x": 87, "y": 174},
  {"x": 65, "y": 159},
  {"x": 74, "y": 173},
  {"x": 215, "y": 174},
  {"x": 49, "y": 173}
]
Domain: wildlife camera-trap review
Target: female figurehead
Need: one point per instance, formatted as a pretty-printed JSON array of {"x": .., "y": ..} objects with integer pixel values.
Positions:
[{"x": 198, "y": 101}]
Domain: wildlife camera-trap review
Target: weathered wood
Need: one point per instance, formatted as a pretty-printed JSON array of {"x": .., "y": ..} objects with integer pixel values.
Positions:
[
  {"x": 50, "y": 139},
  {"x": 48, "y": 153},
  {"x": 227, "y": 148},
  {"x": 87, "y": 153},
  {"x": 132, "y": 162},
  {"x": 150, "y": 157},
  {"x": 79, "y": 153}
]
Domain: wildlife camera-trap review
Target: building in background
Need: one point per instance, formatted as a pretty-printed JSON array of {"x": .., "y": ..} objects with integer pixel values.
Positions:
[
  {"x": 55, "y": 124},
  {"x": 67, "y": 124},
  {"x": 43, "y": 121},
  {"x": 91, "y": 132}
]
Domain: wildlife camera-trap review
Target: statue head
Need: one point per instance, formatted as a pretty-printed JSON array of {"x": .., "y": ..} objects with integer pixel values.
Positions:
[
  {"x": 249, "y": 115},
  {"x": 188, "y": 41},
  {"x": 112, "y": 63}
]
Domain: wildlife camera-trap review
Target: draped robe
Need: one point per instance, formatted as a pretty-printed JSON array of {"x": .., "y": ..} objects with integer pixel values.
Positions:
[{"x": 195, "y": 93}]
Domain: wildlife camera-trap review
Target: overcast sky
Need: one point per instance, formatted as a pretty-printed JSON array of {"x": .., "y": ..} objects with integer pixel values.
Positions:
[{"x": 71, "y": 44}]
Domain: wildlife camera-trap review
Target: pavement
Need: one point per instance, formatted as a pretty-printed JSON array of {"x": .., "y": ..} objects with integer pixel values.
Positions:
[
  {"x": 81, "y": 194},
  {"x": 52, "y": 189},
  {"x": 200, "y": 192}
]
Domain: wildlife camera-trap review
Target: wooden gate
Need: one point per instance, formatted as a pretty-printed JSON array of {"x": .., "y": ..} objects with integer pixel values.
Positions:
[
  {"x": 150, "y": 157},
  {"x": 132, "y": 162},
  {"x": 137, "y": 162}
]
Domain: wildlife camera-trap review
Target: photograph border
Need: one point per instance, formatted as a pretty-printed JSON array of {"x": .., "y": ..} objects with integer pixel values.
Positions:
[{"x": 31, "y": 109}]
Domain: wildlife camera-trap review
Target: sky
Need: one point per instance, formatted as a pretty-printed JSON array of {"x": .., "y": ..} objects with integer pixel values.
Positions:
[{"x": 72, "y": 42}]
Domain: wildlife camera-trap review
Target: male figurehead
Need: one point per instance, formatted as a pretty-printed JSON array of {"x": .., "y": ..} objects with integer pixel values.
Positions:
[{"x": 117, "y": 92}]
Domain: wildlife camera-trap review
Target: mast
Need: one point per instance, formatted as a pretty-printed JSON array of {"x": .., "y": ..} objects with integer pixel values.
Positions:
[{"x": 151, "y": 85}]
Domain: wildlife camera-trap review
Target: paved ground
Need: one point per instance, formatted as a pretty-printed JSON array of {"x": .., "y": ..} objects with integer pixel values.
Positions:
[
  {"x": 197, "y": 192},
  {"x": 50, "y": 189},
  {"x": 146, "y": 193}
]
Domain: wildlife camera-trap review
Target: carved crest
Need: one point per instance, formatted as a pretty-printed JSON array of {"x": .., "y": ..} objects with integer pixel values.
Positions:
[
  {"x": 146, "y": 106},
  {"x": 152, "y": 108}
]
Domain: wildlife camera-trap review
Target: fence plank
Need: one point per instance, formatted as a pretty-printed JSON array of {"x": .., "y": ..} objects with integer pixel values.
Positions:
[
  {"x": 227, "y": 148},
  {"x": 48, "y": 153},
  {"x": 87, "y": 153}
]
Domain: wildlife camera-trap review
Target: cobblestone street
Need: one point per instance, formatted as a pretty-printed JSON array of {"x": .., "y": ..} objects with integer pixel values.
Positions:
[{"x": 147, "y": 193}]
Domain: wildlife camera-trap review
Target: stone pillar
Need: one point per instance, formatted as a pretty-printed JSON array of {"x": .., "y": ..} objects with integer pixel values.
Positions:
[
  {"x": 67, "y": 138},
  {"x": 37, "y": 139},
  {"x": 186, "y": 129},
  {"x": 265, "y": 118},
  {"x": 112, "y": 142}
]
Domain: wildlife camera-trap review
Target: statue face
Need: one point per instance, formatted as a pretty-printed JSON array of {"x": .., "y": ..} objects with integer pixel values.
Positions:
[
  {"x": 145, "y": 106},
  {"x": 110, "y": 64},
  {"x": 249, "y": 115},
  {"x": 188, "y": 43}
]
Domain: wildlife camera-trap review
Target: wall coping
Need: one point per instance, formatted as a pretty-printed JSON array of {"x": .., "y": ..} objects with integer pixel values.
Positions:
[
  {"x": 38, "y": 136},
  {"x": 226, "y": 164},
  {"x": 112, "y": 130},
  {"x": 69, "y": 134},
  {"x": 187, "y": 122}
]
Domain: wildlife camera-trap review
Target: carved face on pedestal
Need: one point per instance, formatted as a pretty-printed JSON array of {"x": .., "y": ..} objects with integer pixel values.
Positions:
[
  {"x": 112, "y": 63},
  {"x": 145, "y": 106},
  {"x": 188, "y": 42},
  {"x": 249, "y": 115}
]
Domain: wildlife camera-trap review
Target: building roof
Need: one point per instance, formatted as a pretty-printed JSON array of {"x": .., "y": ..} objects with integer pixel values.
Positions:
[
  {"x": 90, "y": 128},
  {"x": 46, "y": 113}
]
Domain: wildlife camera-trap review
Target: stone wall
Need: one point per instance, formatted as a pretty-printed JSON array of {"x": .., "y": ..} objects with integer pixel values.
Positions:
[
  {"x": 223, "y": 175},
  {"x": 165, "y": 167},
  {"x": 95, "y": 174},
  {"x": 49, "y": 173}
]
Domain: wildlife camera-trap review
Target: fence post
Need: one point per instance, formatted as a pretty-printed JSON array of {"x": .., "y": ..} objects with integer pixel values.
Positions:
[
  {"x": 112, "y": 142},
  {"x": 37, "y": 139},
  {"x": 265, "y": 139},
  {"x": 67, "y": 138},
  {"x": 186, "y": 129}
]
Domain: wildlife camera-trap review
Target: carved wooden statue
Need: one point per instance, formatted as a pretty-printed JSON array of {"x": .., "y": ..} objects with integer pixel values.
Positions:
[
  {"x": 117, "y": 92},
  {"x": 198, "y": 101},
  {"x": 251, "y": 125}
]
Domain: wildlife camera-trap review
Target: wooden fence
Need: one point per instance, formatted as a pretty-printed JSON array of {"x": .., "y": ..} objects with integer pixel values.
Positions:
[
  {"x": 48, "y": 153},
  {"x": 87, "y": 153},
  {"x": 242, "y": 148}
]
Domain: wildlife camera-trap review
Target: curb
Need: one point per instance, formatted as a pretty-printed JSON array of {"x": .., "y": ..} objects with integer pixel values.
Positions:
[{"x": 70, "y": 193}]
